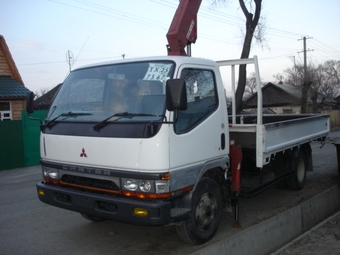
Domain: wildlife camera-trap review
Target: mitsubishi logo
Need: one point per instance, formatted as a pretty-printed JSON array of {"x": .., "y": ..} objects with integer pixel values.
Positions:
[{"x": 83, "y": 154}]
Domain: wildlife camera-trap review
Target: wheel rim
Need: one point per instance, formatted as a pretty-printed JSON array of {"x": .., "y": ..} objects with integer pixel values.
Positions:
[
  {"x": 300, "y": 170},
  {"x": 205, "y": 211}
]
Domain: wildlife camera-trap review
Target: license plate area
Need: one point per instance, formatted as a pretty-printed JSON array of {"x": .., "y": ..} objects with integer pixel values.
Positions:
[{"x": 106, "y": 206}]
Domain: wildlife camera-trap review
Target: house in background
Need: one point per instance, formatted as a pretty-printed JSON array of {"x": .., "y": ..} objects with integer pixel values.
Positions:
[
  {"x": 286, "y": 99},
  {"x": 44, "y": 102},
  {"x": 12, "y": 89}
]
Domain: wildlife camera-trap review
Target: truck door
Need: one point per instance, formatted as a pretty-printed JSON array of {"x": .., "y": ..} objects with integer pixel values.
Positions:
[{"x": 199, "y": 135}]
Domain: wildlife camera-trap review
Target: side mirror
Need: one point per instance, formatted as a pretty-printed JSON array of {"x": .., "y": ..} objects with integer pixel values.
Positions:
[
  {"x": 176, "y": 95},
  {"x": 30, "y": 106},
  {"x": 29, "y": 102}
]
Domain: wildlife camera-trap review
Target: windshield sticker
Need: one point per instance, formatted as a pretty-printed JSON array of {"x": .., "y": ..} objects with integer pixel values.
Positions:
[{"x": 157, "y": 72}]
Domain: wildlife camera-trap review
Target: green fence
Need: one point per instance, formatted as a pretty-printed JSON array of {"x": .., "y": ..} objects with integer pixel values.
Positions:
[
  {"x": 11, "y": 144},
  {"x": 31, "y": 137},
  {"x": 19, "y": 141}
]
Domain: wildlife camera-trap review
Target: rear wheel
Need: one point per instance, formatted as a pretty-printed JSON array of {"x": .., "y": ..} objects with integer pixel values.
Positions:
[
  {"x": 281, "y": 166},
  {"x": 92, "y": 218},
  {"x": 299, "y": 166},
  {"x": 206, "y": 213}
]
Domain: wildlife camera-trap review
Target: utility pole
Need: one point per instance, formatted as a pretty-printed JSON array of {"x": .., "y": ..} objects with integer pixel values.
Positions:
[
  {"x": 69, "y": 59},
  {"x": 306, "y": 80}
]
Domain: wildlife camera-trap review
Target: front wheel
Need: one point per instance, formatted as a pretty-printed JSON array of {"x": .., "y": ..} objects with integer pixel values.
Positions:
[
  {"x": 299, "y": 166},
  {"x": 205, "y": 215}
]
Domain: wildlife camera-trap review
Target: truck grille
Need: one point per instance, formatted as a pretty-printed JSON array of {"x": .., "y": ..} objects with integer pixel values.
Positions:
[{"x": 89, "y": 182}]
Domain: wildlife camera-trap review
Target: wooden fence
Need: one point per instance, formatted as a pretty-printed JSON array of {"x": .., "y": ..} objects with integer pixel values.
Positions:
[{"x": 334, "y": 118}]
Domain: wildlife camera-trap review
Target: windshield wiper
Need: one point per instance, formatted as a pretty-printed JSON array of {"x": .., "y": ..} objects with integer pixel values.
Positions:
[
  {"x": 130, "y": 115},
  {"x": 101, "y": 124},
  {"x": 66, "y": 114}
]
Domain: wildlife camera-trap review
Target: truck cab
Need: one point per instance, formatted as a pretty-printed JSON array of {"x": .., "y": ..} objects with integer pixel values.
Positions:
[{"x": 116, "y": 145}]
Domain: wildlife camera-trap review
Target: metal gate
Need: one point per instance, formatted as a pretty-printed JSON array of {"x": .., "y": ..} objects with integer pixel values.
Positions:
[
  {"x": 19, "y": 141},
  {"x": 11, "y": 144},
  {"x": 31, "y": 136}
]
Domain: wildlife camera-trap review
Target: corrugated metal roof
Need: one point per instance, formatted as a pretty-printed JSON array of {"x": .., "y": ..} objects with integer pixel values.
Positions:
[
  {"x": 296, "y": 91},
  {"x": 11, "y": 88},
  {"x": 290, "y": 89},
  {"x": 45, "y": 100},
  {"x": 293, "y": 91}
]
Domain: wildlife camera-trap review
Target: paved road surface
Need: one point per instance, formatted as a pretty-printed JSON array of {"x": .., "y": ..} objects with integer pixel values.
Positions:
[{"x": 31, "y": 227}]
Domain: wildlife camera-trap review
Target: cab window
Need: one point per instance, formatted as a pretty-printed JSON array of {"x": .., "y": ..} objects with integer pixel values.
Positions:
[{"x": 201, "y": 96}]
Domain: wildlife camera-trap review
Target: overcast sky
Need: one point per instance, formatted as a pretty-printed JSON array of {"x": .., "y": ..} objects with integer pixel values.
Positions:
[{"x": 40, "y": 33}]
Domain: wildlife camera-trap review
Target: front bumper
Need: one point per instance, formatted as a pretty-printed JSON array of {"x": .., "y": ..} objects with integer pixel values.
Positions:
[{"x": 106, "y": 206}]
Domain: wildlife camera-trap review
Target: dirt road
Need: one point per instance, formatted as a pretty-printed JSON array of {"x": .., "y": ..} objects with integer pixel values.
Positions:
[{"x": 319, "y": 240}]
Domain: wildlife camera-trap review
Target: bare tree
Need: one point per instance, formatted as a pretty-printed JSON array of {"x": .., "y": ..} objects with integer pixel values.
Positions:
[
  {"x": 279, "y": 78},
  {"x": 330, "y": 78},
  {"x": 252, "y": 22},
  {"x": 324, "y": 80},
  {"x": 250, "y": 88},
  {"x": 40, "y": 93}
]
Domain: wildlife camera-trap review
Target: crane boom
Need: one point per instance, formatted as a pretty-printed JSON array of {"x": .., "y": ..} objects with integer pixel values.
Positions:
[{"x": 183, "y": 28}]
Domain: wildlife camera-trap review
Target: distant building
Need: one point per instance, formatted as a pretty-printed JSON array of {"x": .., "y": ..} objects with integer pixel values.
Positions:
[
  {"x": 44, "y": 102},
  {"x": 12, "y": 89},
  {"x": 286, "y": 99}
]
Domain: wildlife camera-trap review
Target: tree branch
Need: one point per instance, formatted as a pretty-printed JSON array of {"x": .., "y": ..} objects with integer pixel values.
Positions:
[
  {"x": 258, "y": 6},
  {"x": 244, "y": 8}
]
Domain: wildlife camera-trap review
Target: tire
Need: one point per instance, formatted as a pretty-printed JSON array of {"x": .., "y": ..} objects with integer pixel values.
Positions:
[
  {"x": 205, "y": 215},
  {"x": 92, "y": 218},
  {"x": 307, "y": 151},
  {"x": 299, "y": 166}
]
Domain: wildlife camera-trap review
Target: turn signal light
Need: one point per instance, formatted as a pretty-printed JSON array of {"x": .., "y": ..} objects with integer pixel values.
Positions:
[
  {"x": 49, "y": 180},
  {"x": 41, "y": 192},
  {"x": 141, "y": 212}
]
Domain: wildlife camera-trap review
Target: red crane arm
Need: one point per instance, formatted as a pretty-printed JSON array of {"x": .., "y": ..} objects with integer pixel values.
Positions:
[{"x": 183, "y": 28}]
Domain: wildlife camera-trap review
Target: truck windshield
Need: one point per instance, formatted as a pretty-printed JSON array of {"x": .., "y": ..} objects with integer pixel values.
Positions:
[{"x": 103, "y": 93}]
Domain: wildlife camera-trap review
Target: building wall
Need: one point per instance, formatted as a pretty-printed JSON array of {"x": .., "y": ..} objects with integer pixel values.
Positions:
[
  {"x": 291, "y": 109},
  {"x": 334, "y": 118},
  {"x": 17, "y": 107},
  {"x": 4, "y": 68},
  {"x": 282, "y": 109}
]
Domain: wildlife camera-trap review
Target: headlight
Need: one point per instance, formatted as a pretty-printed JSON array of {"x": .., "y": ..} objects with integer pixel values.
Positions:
[
  {"x": 145, "y": 186},
  {"x": 130, "y": 184},
  {"x": 138, "y": 185},
  {"x": 50, "y": 172}
]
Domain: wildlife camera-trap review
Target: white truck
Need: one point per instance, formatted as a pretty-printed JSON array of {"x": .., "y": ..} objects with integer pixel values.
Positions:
[
  {"x": 163, "y": 157},
  {"x": 149, "y": 141}
]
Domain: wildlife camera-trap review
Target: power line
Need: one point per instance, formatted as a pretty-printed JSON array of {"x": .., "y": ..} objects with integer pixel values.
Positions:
[
  {"x": 113, "y": 13},
  {"x": 58, "y": 62},
  {"x": 215, "y": 15},
  {"x": 80, "y": 52},
  {"x": 204, "y": 12},
  {"x": 328, "y": 50}
]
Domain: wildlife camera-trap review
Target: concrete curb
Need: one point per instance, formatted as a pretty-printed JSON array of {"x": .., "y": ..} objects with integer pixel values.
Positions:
[{"x": 271, "y": 234}]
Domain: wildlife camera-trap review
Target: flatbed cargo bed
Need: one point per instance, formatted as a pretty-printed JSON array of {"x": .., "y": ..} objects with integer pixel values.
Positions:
[
  {"x": 277, "y": 133},
  {"x": 266, "y": 135}
]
